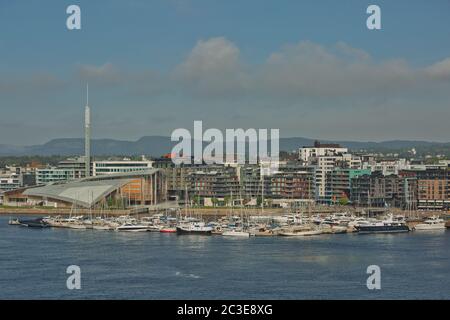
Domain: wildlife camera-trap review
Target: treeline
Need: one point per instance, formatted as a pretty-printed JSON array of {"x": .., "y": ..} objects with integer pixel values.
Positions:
[{"x": 23, "y": 161}]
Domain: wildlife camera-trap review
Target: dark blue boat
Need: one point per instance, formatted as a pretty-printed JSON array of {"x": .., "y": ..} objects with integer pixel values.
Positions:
[
  {"x": 389, "y": 225},
  {"x": 34, "y": 223}
]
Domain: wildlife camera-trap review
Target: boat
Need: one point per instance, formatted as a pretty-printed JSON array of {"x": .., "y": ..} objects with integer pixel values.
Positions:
[
  {"x": 262, "y": 232},
  {"x": 131, "y": 227},
  {"x": 338, "y": 229},
  {"x": 332, "y": 229},
  {"x": 73, "y": 223},
  {"x": 14, "y": 222},
  {"x": 217, "y": 230},
  {"x": 236, "y": 233},
  {"x": 194, "y": 227},
  {"x": 154, "y": 228},
  {"x": 35, "y": 223},
  {"x": 168, "y": 230},
  {"x": 300, "y": 233},
  {"x": 75, "y": 226},
  {"x": 102, "y": 227},
  {"x": 432, "y": 223},
  {"x": 447, "y": 224},
  {"x": 389, "y": 225},
  {"x": 358, "y": 222}
]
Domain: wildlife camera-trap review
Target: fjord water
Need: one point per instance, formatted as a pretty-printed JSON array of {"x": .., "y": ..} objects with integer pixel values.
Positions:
[{"x": 148, "y": 265}]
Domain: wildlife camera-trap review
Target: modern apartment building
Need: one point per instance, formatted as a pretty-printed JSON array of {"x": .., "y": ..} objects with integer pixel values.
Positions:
[
  {"x": 339, "y": 182},
  {"x": 320, "y": 149},
  {"x": 119, "y": 166},
  {"x": 76, "y": 165},
  {"x": 326, "y": 164},
  {"x": 433, "y": 188},
  {"x": 54, "y": 174}
]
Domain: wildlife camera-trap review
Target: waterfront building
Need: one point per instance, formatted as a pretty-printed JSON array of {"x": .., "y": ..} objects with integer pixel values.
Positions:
[
  {"x": 123, "y": 190},
  {"x": 77, "y": 165},
  {"x": 374, "y": 190},
  {"x": 214, "y": 184},
  {"x": 16, "y": 177},
  {"x": 10, "y": 182},
  {"x": 54, "y": 174},
  {"x": 119, "y": 166},
  {"x": 320, "y": 149},
  {"x": 386, "y": 166},
  {"x": 338, "y": 184},
  {"x": 407, "y": 189},
  {"x": 326, "y": 164},
  {"x": 433, "y": 188}
]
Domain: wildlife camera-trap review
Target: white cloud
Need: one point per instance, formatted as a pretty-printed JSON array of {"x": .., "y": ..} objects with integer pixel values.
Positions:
[
  {"x": 440, "y": 70},
  {"x": 307, "y": 69}
]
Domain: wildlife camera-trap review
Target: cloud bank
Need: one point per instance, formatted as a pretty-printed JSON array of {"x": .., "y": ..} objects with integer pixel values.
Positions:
[{"x": 304, "y": 88}]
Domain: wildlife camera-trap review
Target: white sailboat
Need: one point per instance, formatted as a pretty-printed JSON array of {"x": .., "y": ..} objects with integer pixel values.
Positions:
[{"x": 236, "y": 232}]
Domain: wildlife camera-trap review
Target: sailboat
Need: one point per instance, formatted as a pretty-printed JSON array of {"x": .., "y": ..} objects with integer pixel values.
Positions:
[
  {"x": 236, "y": 232},
  {"x": 190, "y": 225}
]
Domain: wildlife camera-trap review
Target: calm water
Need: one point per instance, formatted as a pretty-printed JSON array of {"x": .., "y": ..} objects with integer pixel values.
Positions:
[{"x": 166, "y": 266}]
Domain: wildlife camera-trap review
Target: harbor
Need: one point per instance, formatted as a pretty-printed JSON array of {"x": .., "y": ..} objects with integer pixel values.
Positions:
[
  {"x": 155, "y": 265},
  {"x": 239, "y": 224}
]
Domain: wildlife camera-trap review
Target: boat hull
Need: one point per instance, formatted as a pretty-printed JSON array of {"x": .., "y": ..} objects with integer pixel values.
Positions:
[
  {"x": 168, "y": 230},
  {"x": 382, "y": 229},
  {"x": 132, "y": 229},
  {"x": 300, "y": 233},
  {"x": 193, "y": 231},
  {"x": 425, "y": 227},
  {"x": 236, "y": 234}
]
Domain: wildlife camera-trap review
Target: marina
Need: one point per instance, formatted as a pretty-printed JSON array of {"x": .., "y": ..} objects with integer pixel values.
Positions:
[
  {"x": 154, "y": 265},
  {"x": 241, "y": 226}
]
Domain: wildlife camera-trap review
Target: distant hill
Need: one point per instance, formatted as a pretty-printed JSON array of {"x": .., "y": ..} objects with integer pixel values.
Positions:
[{"x": 159, "y": 145}]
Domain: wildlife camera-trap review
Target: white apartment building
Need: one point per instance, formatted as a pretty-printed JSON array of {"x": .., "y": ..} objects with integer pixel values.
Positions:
[
  {"x": 387, "y": 167},
  {"x": 53, "y": 174},
  {"x": 119, "y": 166},
  {"x": 326, "y": 163},
  {"x": 319, "y": 150},
  {"x": 10, "y": 182}
]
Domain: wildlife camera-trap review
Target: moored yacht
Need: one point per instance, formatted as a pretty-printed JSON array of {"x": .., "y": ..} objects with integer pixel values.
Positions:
[
  {"x": 236, "y": 233},
  {"x": 389, "y": 225},
  {"x": 193, "y": 227},
  {"x": 131, "y": 227},
  {"x": 432, "y": 223},
  {"x": 300, "y": 231},
  {"x": 34, "y": 223}
]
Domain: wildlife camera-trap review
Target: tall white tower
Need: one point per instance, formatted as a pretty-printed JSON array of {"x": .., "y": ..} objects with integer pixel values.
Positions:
[{"x": 87, "y": 135}]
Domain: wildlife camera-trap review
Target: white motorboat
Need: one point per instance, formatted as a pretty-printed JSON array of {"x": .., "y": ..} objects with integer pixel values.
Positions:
[
  {"x": 432, "y": 223},
  {"x": 154, "y": 228},
  {"x": 102, "y": 227},
  {"x": 236, "y": 233},
  {"x": 300, "y": 233}
]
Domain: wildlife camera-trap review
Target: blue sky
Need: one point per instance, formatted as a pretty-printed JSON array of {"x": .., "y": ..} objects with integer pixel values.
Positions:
[{"x": 309, "y": 68}]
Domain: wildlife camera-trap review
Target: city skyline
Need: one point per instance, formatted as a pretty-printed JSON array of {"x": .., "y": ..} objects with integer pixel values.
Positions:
[{"x": 311, "y": 70}]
